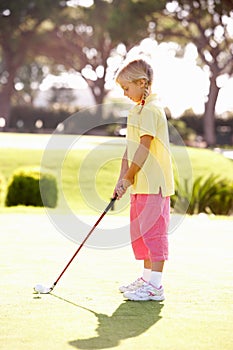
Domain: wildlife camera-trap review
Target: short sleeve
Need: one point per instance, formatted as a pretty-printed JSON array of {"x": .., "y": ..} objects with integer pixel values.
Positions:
[{"x": 148, "y": 121}]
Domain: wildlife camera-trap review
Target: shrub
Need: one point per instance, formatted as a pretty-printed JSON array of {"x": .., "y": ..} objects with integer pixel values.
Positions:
[
  {"x": 24, "y": 118},
  {"x": 2, "y": 186},
  {"x": 222, "y": 202},
  {"x": 32, "y": 186},
  {"x": 185, "y": 132},
  {"x": 207, "y": 195}
]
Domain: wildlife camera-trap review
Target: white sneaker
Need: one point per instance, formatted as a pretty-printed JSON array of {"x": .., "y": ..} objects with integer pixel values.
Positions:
[
  {"x": 132, "y": 287},
  {"x": 146, "y": 292}
]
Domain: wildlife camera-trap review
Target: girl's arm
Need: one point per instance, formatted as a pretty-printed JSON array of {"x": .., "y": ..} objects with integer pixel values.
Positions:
[
  {"x": 124, "y": 165},
  {"x": 123, "y": 171},
  {"x": 139, "y": 159}
]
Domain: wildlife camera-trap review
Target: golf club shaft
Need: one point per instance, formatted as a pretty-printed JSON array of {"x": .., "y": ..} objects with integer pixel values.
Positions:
[{"x": 110, "y": 205}]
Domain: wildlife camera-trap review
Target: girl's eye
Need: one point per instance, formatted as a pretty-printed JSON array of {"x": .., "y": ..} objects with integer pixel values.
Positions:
[{"x": 125, "y": 88}]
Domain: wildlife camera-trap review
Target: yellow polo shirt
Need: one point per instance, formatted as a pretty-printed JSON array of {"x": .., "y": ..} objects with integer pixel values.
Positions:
[{"x": 156, "y": 173}]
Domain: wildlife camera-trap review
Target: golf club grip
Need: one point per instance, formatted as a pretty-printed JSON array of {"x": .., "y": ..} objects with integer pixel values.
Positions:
[
  {"x": 86, "y": 238},
  {"x": 110, "y": 205}
]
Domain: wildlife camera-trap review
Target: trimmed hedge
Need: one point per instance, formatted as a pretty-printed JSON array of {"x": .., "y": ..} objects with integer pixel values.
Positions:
[{"x": 32, "y": 186}]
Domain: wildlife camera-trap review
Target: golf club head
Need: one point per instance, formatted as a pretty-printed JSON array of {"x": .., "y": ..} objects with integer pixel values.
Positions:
[{"x": 41, "y": 289}]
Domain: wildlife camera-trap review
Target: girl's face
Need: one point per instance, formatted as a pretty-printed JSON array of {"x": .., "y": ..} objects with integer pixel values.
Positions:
[{"x": 133, "y": 90}]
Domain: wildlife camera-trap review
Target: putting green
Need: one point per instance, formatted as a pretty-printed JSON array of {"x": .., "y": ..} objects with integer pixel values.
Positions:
[{"x": 86, "y": 311}]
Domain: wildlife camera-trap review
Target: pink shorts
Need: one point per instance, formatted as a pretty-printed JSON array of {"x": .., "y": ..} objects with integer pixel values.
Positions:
[{"x": 149, "y": 220}]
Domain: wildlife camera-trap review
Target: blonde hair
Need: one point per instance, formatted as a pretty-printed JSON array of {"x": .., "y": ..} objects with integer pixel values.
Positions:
[{"x": 134, "y": 71}]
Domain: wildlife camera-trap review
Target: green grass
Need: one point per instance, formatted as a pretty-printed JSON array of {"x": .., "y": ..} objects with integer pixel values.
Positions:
[
  {"x": 203, "y": 162},
  {"x": 87, "y": 177},
  {"x": 206, "y": 162},
  {"x": 86, "y": 311}
]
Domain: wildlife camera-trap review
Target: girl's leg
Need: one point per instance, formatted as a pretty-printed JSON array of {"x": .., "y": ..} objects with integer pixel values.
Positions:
[
  {"x": 155, "y": 275},
  {"x": 146, "y": 275},
  {"x": 157, "y": 266},
  {"x": 139, "y": 248},
  {"x": 147, "y": 264},
  {"x": 156, "y": 237},
  {"x": 159, "y": 248},
  {"x": 154, "y": 266},
  {"x": 142, "y": 245}
]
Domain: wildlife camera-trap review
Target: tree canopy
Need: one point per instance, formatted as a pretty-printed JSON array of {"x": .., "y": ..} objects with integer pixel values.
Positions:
[
  {"x": 21, "y": 25},
  {"x": 209, "y": 25},
  {"x": 63, "y": 33},
  {"x": 76, "y": 37}
]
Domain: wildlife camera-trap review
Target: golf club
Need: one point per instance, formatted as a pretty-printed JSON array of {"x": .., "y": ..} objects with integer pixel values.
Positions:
[{"x": 40, "y": 288}]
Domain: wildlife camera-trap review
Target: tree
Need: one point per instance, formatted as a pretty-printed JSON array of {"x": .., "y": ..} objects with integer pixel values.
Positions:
[
  {"x": 83, "y": 39},
  {"x": 208, "y": 24},
  {"x": 78, "y": 38},
  {"x": 92, "y": 36},
  {"x": 27, "y": 82},
  {"x": 22, "y": 22},
  {"x": 75, "y": 37}
]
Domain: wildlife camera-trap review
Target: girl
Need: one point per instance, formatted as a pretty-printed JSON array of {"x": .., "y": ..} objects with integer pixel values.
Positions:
[{"x": 146, "y": 168}]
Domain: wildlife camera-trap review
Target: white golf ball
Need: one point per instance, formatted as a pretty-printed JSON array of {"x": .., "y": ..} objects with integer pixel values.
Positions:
[{"x": 39, "y": 288}]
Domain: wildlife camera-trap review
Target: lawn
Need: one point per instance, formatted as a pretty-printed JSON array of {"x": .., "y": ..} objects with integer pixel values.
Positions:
[
  {"x": 88, "y": 171},
  {"x": 86, "y": 311}
]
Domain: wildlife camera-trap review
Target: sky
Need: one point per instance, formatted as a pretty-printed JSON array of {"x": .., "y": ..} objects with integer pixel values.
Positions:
[{"x": 180, "y": 83}]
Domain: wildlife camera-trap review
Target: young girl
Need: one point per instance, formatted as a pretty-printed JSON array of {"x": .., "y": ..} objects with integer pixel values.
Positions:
[{"x": 146, "y": 168}]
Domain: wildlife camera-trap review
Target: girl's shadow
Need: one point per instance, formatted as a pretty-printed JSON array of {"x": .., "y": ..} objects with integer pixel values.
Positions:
[{"x": 129, "y": 320}]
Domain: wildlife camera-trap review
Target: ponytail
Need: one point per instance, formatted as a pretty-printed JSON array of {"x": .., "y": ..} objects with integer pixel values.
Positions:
[{"x": 146, "y": 93}]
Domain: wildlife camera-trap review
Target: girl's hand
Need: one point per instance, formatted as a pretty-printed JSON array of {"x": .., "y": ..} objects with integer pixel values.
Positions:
[{"x": 121, "y": 188}]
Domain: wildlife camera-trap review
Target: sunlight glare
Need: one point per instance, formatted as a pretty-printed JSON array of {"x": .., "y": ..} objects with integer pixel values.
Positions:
[
  {"x": 68, "y": 80},
  {"x": 84, "y": 3}
]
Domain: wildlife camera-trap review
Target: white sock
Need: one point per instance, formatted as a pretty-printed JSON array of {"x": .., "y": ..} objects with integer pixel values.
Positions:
[
  {"x": 146, "y": 274},
  {"x": 156, "y": 278}
]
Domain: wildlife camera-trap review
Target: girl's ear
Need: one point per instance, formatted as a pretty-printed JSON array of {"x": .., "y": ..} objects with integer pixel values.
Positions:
[{"x": 141, "y": 83}]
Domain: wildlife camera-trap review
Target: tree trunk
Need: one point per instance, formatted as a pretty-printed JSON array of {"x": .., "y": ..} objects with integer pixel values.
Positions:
[
  {"x": 5, "y": 99},
  {"x": 209, "y": 114},
  {"x": 7, "y": 89}
]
